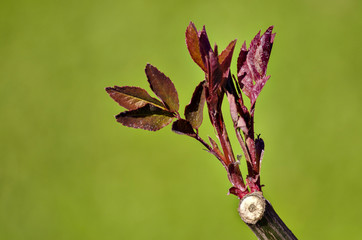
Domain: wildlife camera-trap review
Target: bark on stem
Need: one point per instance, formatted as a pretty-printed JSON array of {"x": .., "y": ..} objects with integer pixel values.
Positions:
[{"x": 259, "y": 215}]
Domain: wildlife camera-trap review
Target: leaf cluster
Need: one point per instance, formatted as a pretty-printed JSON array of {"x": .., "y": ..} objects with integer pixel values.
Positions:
[{"x": 149, "y": 113}]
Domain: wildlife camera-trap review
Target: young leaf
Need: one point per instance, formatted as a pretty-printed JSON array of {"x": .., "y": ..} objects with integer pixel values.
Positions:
[
  {"x": 242, "y": 56},
  {"x": 194, "y": 110},
  {"x": 205, "y": 47},
  {"x": 163, "y": 88},
  {"x": 192, "y": 42},
  {"x": 259, "y": 52},
  {"x": 182, "y": 126},
  {"x": 132, "y": 97},
  {"x": 252, "y": 64},
  {"x": 264, "y": 49},
  {"x": 147, "y": 117},
  {"x": 226, "y": 55},
  {"x": 214, "y": 72}
]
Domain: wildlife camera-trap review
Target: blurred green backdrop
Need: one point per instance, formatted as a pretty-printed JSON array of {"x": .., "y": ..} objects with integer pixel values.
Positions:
[{"x": 68, "y": 170}]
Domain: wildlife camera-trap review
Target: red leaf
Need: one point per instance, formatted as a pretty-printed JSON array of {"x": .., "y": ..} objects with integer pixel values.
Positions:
[
  {"x": 266, "y": 44},
  {"x": 192, "y": 42},
  {"x": 182, "y": 126},
  {"x": 259, "y": 52},
  {"x": 147, "y": 117},
  {"x": 162, "y": 87},
  {"x": 252, "y": 64},
  {"x": 226, "y": 56},
  {"x": 242, "y": 56},
  {"x": 132, "y": 97},
  {"x": 214, "y": 72},
  {"x": 205, "y": 47},
  {"x": 194, "y": 110}
]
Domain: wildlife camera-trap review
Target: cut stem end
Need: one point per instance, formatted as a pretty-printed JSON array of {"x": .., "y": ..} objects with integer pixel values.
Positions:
[{"x": 252, "y": 207}]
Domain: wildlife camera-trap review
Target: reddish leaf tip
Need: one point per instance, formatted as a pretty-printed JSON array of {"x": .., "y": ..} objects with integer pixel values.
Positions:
[
  {"x": 270, "y": 28},
  {"x": 191, "y": 24}
]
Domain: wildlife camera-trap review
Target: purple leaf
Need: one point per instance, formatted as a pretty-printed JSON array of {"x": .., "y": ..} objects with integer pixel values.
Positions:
[
  {"x": 147, "y": 117},
  {"x": 252, "y": 64},
  {"x": 162, "y": 87},
  {"x": 194, "y": 110},
  {"x": 214, "y": 72},
  {"x": 192, "y": 42},
  {"x": 132, "y": 97},
  {"x": 259, "y": 52},
  {"x": 205, "y": 46},
  {"x": 242, "y": 56},
  {"x": 266, "y": 44},
  {"x": 182, "y": 126}
]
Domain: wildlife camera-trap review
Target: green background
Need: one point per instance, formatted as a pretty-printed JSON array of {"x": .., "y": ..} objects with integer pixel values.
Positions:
[{"x": 68, "y": 170}]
